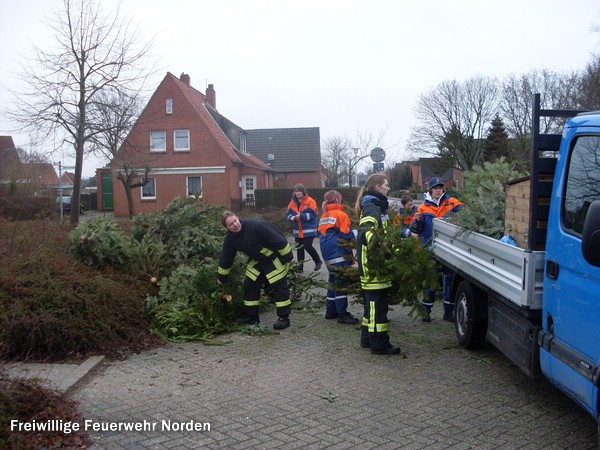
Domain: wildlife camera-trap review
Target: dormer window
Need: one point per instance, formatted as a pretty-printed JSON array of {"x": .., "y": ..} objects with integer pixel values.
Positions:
[{"x": 169, "y": 106}]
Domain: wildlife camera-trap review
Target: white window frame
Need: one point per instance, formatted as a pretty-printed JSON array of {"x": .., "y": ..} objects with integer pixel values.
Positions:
[
  {"x": 151, "y": 183},
  {"x": 187, "y": 185},
  {"x": 169, "y": 105},
  {"x": 156, "y": 136},
  {"x": 176, "y": 143}
]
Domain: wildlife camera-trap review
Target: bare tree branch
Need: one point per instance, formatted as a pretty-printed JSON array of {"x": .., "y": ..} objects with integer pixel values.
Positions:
[{"x": 92, "y": 52}]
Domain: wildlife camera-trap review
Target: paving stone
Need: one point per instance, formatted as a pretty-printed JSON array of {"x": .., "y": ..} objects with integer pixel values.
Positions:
[{"x": 312, "y": 386}]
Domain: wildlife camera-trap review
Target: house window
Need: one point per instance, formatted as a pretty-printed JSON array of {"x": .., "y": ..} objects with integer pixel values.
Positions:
[
  {"x": 149, "y": 189},
  {"x": 194, "y": 186},
  {"x": 158, "y": 141},
  {"x": 182, "y": 140},
  {"x": 169, "y": 106}
]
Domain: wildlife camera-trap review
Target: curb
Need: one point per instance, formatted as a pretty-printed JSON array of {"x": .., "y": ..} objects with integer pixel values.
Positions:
[{"x": 59, "y": 377}]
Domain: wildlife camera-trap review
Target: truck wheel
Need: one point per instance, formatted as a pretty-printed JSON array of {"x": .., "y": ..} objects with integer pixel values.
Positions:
[{"x": 470, "y": 329}]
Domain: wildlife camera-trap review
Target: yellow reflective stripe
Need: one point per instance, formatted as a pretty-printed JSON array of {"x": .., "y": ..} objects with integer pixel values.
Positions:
[
  {"x": 251, "y": 302},
  {"x": 365, "y": 321},
  {"x": 251, "y": 275},
  {"x": 371, "y": 325},
  {"x": 382, "y": 327},
  {"x": 251, "y": 271},
  {"x": 369, "y": 284},
  {"x": 367, "y": 219},
  {"x": 277, "y": 275},
  {"x": 222, "y": 271},
  {"x": 283, "y": 303},
  {"x": 285, "y": 250},
  {"x": 266, "y": 251}
]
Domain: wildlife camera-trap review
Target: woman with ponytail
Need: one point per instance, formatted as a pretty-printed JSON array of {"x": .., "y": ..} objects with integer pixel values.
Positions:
[{"x": 372, "y": 208}]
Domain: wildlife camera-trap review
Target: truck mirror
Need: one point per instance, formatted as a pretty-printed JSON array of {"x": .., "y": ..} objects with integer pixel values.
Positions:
[{"x": 590, "y": 238}]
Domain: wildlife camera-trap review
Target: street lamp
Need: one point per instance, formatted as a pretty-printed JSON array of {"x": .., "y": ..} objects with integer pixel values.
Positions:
[{"x": 60, "y": 189}]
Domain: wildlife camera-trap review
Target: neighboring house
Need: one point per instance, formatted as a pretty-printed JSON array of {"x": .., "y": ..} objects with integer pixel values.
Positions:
[
  {"x": 424, "y": 169},
  {"x": 295, "y": 153},
  {"x": 41, "y": 175},
  {"x": 189, "y": 149},
  {"x": 39, "y": 178},
  {"x": 11, "y": 168},
  {"x": 68, "y": 179}
]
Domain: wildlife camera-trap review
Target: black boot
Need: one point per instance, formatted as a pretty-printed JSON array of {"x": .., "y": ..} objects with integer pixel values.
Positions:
[
  {"x": 391, "y": 350},
  {"x": 248, "y": 320},
  {"x": 282, "y": 322}
]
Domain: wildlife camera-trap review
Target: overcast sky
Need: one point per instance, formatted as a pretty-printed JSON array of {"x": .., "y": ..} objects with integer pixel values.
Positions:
[{"x": 344, "y": 66}]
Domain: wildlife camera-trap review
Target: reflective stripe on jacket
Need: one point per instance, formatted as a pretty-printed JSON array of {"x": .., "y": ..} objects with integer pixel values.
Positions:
[
  {"x": 307, "y": 225},
  {"x": 372, "y": 218},
  {"x": 335, "y": 225},
  {"x": 267, "y": 248},
  {"x": 430, "y": 210}
]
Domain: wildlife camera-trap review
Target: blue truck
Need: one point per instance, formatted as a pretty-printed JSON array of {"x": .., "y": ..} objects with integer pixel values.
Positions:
[{"x": 539, "y": 302}]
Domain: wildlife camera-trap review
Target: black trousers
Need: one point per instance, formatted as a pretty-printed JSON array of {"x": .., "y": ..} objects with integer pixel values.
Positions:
[
  {"x": 279, "y": 293},
  {"x": 375, "y": 323},
  {"x": 307, "y": 243}
]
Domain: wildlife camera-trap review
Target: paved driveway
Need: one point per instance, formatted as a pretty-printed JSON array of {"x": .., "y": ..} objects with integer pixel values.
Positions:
[{"x": 312, "y": 386}]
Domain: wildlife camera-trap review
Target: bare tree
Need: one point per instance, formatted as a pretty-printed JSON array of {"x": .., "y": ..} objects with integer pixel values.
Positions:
[
  {"x": 516, "y": 93},
  {"x": 114, "y": 113},
  {"x": 334, "y": 159},
  {"x": 360, "y": 151},
  {"x": 454, "y": 118},
  {"x": 589, "y": 85},
  {"x": 93, "y": 52},
  {"x": 343, "y": 155}
]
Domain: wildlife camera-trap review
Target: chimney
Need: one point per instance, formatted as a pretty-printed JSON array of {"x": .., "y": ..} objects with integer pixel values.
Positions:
[
  {"x": 185, "y": 78},
  {"x": 211, "y": 96}
]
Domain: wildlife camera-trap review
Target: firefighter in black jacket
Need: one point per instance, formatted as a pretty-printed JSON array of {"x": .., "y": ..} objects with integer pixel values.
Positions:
[
  {"x": 372, "y": 207},
  {"x": 269, "y": 257}
]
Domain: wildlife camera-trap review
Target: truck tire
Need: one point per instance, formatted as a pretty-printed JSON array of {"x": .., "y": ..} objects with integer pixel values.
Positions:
[{"x": 470, "y": 329}]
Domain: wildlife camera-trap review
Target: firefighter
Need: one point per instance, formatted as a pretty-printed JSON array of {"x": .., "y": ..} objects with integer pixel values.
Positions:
[
  {"x": 269, "y": 256},
  {"x": 372, "y": 208}
]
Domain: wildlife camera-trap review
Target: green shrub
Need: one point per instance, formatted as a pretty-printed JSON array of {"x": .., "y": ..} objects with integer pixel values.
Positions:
[
  {"x": 25, "y": 206},
  {"x": 484, "y": 198},
  {"x": 101, "y": 243},
  {"x": 28, "y": 401},
  {"x": 53, "y": 306},
  {"x": 189, "y": 305},
  {"x": 187, "y": 231}
]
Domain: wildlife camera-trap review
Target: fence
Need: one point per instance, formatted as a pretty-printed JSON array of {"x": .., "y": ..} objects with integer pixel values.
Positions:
[{"x": 238, "y": 204}]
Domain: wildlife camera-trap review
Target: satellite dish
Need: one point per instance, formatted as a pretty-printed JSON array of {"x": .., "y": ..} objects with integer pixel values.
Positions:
[{"x": 378, "y": 154}]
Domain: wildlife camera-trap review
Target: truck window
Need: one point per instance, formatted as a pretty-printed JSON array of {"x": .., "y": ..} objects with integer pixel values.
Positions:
[{"x": 583, "y": 182}]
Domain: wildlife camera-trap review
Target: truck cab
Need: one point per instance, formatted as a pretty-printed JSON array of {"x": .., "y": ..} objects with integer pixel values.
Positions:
[{"x": 570, "y": 336}]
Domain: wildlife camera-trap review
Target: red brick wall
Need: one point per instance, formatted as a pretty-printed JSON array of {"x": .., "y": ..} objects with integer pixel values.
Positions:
[{"x": 308, "y": 179}]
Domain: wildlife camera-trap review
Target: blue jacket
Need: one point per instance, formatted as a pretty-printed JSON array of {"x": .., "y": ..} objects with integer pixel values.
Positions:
[
  {"x": 430, "y": 210},
  {"x": 335, "y": 225},
  {"x": 307, "y": 225}
]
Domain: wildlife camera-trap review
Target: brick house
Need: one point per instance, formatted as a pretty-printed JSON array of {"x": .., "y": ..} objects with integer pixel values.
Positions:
[
  {"x": 39, "y": 178},
  {"x": 186, "y": 151},
  {"x": 425, "y": 168},
  {"x": 11, "y": 168}
]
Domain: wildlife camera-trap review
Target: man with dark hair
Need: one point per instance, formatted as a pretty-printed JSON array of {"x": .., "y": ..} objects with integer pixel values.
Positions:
[{"x": 269, "y": 257}]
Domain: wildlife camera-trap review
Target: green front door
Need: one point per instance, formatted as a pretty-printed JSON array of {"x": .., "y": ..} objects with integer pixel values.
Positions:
[{"x": 107, "y": 192}]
